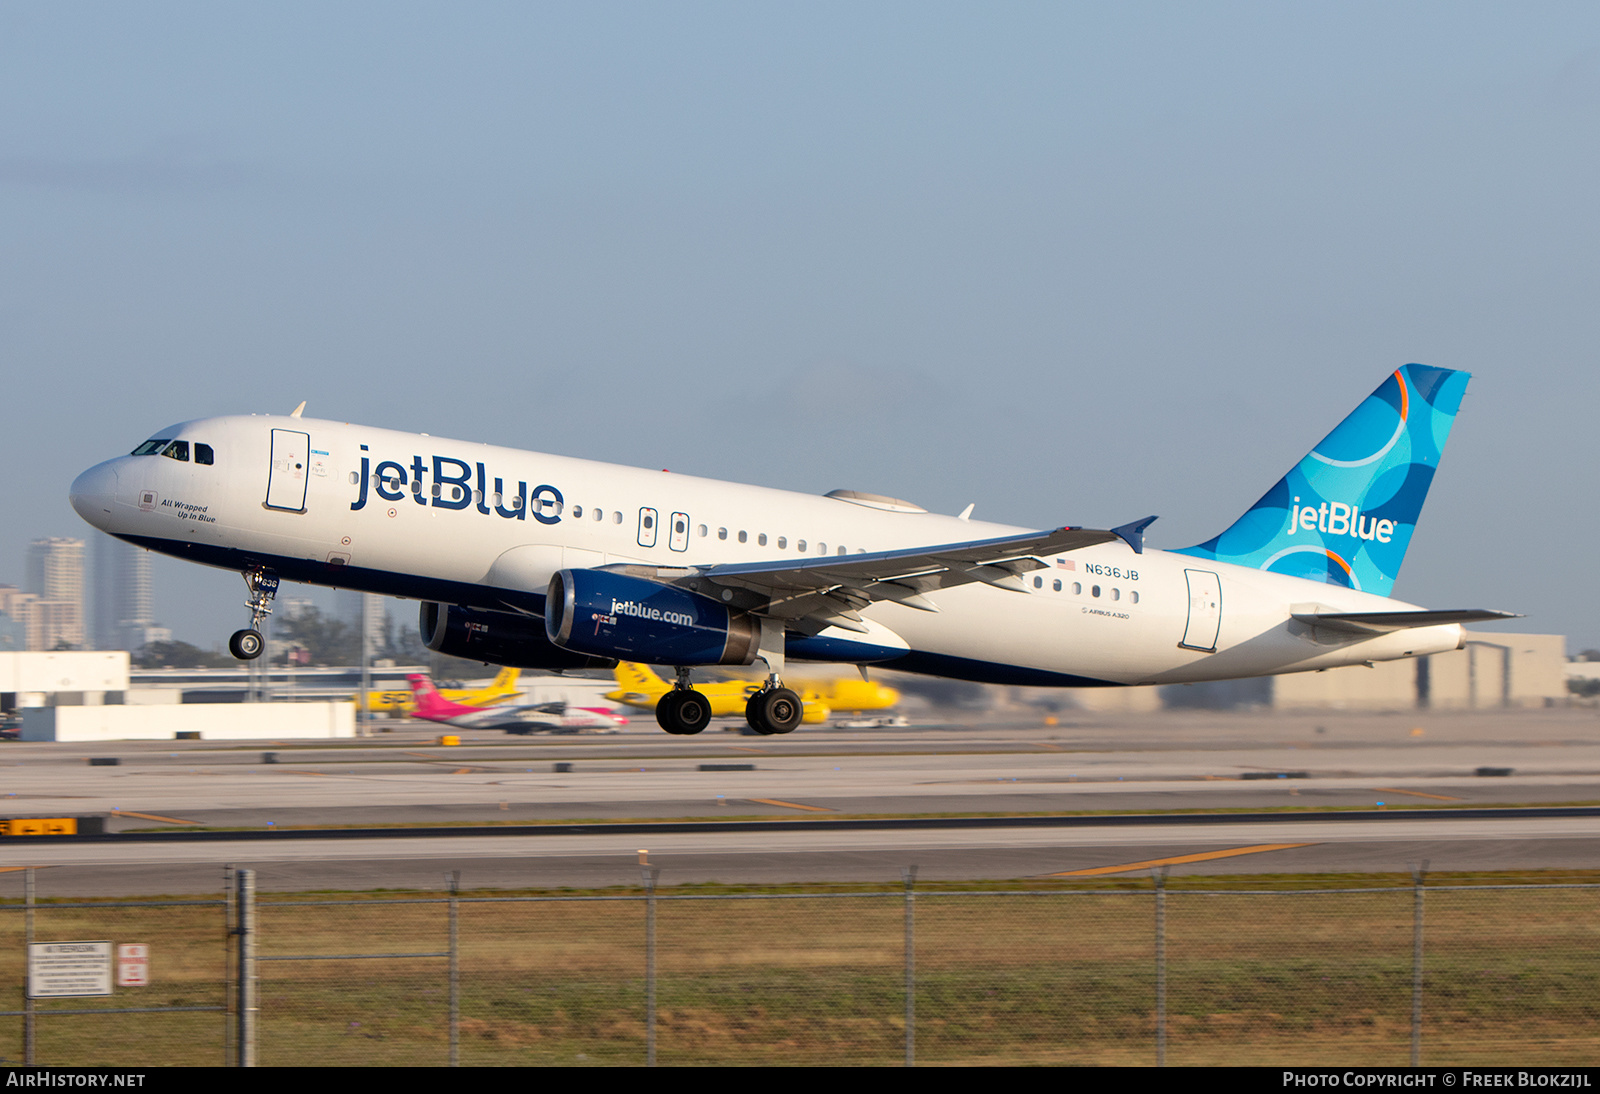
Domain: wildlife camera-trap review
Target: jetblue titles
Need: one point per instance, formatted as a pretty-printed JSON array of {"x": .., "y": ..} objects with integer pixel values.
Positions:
[
  {"x": 1339, "y": 519},
  {"x": 444, "y": 482}
]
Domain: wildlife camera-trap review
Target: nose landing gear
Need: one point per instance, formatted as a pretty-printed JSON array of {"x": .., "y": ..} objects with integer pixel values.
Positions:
[{"x": 246, "y": 645}]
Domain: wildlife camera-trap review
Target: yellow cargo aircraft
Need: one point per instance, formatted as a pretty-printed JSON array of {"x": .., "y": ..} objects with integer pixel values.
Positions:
[
  {"x": 638, "y": 686},
  {"x": 500, "y": 687}
]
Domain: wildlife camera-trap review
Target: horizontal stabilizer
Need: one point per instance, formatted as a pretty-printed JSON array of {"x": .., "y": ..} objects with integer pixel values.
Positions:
[{"x": 1384, "y": 622}]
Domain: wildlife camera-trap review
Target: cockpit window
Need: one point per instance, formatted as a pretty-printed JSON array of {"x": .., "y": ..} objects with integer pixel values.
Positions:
[
  {"x": 177, "y": 450},
  {"x": 150, "y": 448},
  {"x": 202, "y": 453}
]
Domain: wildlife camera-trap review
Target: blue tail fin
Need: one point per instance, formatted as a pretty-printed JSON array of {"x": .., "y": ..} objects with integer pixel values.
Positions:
[{"x": 1345, "y": 513}]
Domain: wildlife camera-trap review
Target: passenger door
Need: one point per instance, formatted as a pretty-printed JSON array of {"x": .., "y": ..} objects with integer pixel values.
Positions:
[
  {"x": 286, "y": 481},
  {"x": 1205, "y": 611}
]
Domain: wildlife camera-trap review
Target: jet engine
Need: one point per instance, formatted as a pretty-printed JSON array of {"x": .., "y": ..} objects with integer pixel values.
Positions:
[
  {"x": 635, "y": 619},
  {"x": 500, "y": 638}
]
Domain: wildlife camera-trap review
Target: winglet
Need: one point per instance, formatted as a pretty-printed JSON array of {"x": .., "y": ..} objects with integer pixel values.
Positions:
[
  {"x": 299, "y": 410},
  {"x": 1133, "y": 534}
]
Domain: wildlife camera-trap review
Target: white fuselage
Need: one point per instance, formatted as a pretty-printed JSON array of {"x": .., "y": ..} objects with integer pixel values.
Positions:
[{"x": 486, "y": 527}]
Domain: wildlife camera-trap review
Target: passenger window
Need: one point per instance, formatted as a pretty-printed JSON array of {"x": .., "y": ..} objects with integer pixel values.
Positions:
[
  {"x": 800, "y": 545},
  {"x": 202, "y": 454},
  {"x": 577, "y": 512},
  {"x": 1038, "y": 583},
  {"x": 722, "y": 533},
  {"x": 616, "y": 518},
  {"x": 1116, "y": 594},
  {"x": 822, "y": 548},
  {"x": 744, "y": 536},
  {"x": 1134, "y": 596},
  {"x": 703, "y": 531},
  {"x": 1094, "y": 590},
  {"x": 355, "y": 476},
  {"x": 177, "y": 450},
  {"x": 1057, "y": 585},
  {"x": 761, "y": 540},
  {"x": 1077, "y": 588},
  {"x": 783, "y": 542}
]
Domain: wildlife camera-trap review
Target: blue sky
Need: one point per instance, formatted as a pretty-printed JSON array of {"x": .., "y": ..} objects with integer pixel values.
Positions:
[{"x": 1075, "y": 263}]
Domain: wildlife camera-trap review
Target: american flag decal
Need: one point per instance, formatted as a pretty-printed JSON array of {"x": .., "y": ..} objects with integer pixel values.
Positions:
[{"x": 1065, "y": 564}]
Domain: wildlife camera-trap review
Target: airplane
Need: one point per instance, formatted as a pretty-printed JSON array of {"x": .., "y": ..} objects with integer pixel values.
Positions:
[
  {"x": 638, "y": 687},
  {"x": 521, "y": 718},
  {"x": 541, "y": 561},
  {"x": 503, "y": 686}
]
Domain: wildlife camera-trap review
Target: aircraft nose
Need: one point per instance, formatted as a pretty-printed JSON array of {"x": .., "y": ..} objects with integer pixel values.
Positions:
[{"x": 93, "y": 491}]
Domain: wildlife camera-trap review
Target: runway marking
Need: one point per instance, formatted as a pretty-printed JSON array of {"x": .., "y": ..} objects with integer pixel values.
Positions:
[
  {"x": 1415, "y": 794},
  {"x": 1179, "y": 860},
  {"x": 1051, "y": 747},
  {"x": 150, "y": 816},
  {"x": 14, "y": 869},
  {"x": 791, "y": 805},
  {"x": 462, "y": 771},
  {"x": 742, "y": 748}
]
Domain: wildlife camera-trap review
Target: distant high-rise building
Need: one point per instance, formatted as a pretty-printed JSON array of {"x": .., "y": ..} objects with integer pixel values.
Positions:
[
  {"x": 55, "y": 576},
  {"x": 124, "y": 601},
  {"x": 16, "y": 616}
]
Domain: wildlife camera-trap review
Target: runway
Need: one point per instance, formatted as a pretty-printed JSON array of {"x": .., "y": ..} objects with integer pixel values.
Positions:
[{"x": 1149, "y": 764}]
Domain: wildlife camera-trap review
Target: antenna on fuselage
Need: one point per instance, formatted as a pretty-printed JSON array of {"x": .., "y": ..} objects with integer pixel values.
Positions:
[{"x": 296, "y": 412}]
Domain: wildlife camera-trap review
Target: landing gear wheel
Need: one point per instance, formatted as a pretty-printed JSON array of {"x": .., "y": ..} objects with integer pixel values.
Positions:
[
  {"x": 773, "y": 710},
  {"x": 245, "y": 645},
  {"x": 683, "y": 712}
]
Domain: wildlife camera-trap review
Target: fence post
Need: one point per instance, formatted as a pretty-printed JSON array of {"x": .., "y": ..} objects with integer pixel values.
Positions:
[
  {"x": 229, "y": 932},
  {"x": 1161, "y": 966},
  {"x": 455, "y": 968},
  {"x": 650, "y": 873},
  {"x": 245, "y": 905},
  {"x": 27, "y": 988},
  {"x": 908, "y": 874},
  {"x": 1417, "y": 873}
]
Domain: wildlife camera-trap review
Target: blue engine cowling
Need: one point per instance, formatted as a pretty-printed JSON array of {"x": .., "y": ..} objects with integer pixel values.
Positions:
[
  {"x": 636, "y": 619},
  {"x": 500, "y": 638}
]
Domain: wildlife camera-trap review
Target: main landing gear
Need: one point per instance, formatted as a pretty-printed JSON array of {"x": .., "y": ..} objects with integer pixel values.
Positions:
[
  {"x": 246, "y": 645},
  {"x": 683, "y": 711},
  {"x": 773, "y": 709}
]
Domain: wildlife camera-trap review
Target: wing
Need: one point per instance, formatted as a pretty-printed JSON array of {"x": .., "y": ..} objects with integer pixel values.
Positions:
[{"x": 832, "y": 590}]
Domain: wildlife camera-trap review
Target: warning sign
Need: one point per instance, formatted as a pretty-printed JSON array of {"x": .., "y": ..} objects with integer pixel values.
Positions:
[
  {"x": 65, "y": 969},
  {"x": 133, "y": 965}
]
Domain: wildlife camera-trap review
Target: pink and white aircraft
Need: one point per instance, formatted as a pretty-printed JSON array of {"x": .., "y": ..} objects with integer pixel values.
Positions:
[{"x": 512, "y": 717}]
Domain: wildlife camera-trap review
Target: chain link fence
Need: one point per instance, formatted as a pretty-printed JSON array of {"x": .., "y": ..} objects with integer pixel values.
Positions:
[{"x": 1432, "y": 974}]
